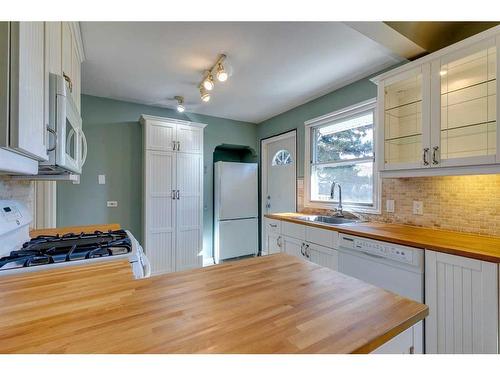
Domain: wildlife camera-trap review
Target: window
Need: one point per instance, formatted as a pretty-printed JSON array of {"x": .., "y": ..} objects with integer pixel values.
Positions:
[
  {"x": 342, "y": 150},
  {"x": 282, "y": 157}
]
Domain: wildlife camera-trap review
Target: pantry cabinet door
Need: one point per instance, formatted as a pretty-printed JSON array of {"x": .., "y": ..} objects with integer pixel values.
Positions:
[
  {"x": 462, "y": 295},
  {"x": 160, "y": 135},
  {"x": 27, "y": 90},
  {"x": 189, "y": 211},
  {"x": 189, "y": 138},
  {"x": 403, "y": 110},
  {"x": 464, "y": 123},
  {"x": 160, "y": 212}
]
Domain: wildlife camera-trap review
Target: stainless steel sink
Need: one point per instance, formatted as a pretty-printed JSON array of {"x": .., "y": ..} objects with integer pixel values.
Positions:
[{"x": 329, "y": 219}]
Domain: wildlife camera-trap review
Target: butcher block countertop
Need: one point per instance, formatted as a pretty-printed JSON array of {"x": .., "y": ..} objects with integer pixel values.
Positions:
[
  {"x": 457, "y": 243},
  {"x": 273, "y": 304}
]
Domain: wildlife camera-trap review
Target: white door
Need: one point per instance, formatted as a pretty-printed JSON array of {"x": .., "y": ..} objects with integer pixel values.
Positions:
[
  {"x": 462, "y": 295},
  {"x": 279, "y": 173},
  {"x": 235, "y": 238},
  {"x": 188, "y": 201},
  {"x": 160, "y": 211}
]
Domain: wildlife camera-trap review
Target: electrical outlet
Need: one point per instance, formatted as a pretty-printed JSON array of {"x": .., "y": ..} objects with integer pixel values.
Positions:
[
  {"x": 389, "y": 205},
  {"x": 112, "y": 204},
  {"x": 101, "y": 179},
  {"x": 418, "y": 208}
]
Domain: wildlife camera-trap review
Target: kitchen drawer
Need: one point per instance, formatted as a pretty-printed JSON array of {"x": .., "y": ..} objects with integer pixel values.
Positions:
[
  {"x": 273, "y": 226},
  {"x": 323, "y": 237},
  {"x": 293, "y": 230}
]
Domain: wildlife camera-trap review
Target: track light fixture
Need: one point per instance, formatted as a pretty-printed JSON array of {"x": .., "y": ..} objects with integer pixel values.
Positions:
[
  {"x": 180, "y": 104},
  {"x": 205, "y": 95},
  {"x": 221, "y": 73},
  {"x": 208, "y": 83}
]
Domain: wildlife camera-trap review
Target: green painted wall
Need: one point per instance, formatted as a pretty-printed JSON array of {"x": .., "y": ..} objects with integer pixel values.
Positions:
[
  {"x": 294, "y": 119},
  {"x": 114, "y": 137}
]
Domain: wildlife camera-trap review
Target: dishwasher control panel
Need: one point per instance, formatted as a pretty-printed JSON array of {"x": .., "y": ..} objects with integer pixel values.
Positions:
[{"x": 403, "y": 254}]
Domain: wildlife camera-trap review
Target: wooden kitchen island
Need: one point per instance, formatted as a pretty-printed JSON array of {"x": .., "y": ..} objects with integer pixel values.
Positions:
[{"x": 273, "y": 304}]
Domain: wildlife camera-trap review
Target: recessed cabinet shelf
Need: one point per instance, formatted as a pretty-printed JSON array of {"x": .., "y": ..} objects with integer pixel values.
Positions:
[{"x": 439, "y": 113}]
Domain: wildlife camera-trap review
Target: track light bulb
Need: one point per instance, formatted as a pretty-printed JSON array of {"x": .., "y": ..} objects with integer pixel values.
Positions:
[
  {"x": 205, "y": 95},
  {"x": 208, "y": 83},
  {"x": 221, "y": 73},
  {"x": 180, "y": 104}
]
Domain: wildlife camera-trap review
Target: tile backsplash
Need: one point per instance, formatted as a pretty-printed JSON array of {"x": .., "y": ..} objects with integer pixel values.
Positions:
[
  {"x": 22, "y": 191},
  {"x": 459, "y": 203}
]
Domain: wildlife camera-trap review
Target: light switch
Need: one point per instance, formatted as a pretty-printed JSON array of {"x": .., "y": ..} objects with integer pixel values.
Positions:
[
  {"x": 112, "y": 204},
  {"x": 418, "y": 208},
  {"x": 101, "y": 179},
  {"x": 389, "y": 205}
]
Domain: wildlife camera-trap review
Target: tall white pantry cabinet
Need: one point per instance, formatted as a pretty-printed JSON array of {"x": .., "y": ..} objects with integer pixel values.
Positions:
[{"x": 173, "y": 193}]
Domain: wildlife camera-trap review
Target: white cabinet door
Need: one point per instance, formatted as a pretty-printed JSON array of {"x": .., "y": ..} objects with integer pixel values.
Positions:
[
  {"x": 189, "y": 139},
  {"x": 159, "y": 215},
  {"x": 160, "y": 135},
  {"x": 464, "y": 121},
  {"x": 323, "y": 256},
  {"x": 272, "y": 244},
  {"x": 462, "y": 295},
  {"x": 53, "y": 48},
  {"x": 76, "y": 75},
  {"x": 28, "y": 82},
  {"x": 67, "y": 50},
  {"x": 293, "y": 246},
  {"x": 189, "y": 219},
  {"x": 404, "y": 110}
]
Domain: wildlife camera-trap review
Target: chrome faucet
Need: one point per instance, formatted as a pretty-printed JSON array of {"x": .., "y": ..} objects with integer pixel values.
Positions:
[{"x": 332, "y": 193}]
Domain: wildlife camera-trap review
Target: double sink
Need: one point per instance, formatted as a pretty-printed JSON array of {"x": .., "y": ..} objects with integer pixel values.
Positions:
[{"x": 335, "y": 220}]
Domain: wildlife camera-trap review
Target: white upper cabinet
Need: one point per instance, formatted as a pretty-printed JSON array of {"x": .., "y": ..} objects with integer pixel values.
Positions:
[
  {"x": 437, "y": 115},
  {"x": 163, "y": 134},
  {"x": 26, "y": 132},
  {"x": 464, "y": 117},
  {"x": 406, "y": 118},
  {"x": 71, "y": 55}
]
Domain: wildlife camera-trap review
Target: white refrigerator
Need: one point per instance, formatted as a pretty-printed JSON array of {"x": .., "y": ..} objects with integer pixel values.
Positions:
[{"x": 235, "y": 210}]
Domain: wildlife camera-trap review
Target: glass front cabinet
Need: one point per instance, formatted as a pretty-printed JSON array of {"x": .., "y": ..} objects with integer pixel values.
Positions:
[{"x": 438, "y": 113}]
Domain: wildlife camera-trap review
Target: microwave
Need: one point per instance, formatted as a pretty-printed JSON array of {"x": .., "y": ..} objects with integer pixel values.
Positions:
[{"x": 67, "y": 145}]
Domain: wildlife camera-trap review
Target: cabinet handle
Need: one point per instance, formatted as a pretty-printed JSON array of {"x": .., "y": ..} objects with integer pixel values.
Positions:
[
  {"x": 173, "y": 145},
  {"x": 302, "y": 249},
  {"x": 70, "y": 82},
  {"x": 54, "y": 133},
  {"x": 278, "y": 241},
  {"x": 306, "y": 253},
  {"x": 177, "y": 195},
  {"x": 435, "y": 150},
  {"x": 426, "y": 153},
  {"x": 173, "y": 194},
  {"x": 273, "y": 225},
  {"x": 178, "y": 145}
]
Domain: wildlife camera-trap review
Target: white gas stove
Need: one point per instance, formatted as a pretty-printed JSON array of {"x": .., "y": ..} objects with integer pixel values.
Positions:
[{"x": 20, "y": 253}]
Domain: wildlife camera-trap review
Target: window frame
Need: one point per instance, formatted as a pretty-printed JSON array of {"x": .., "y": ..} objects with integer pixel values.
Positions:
[{"x": 325, "y": 120}]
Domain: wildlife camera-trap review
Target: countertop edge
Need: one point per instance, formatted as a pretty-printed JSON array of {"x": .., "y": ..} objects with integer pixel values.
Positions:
[{"x": 350, "y": 229}]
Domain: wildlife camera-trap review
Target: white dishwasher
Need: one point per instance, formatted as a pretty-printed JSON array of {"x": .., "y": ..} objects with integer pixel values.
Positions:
[{"x": 397, "y": 268}]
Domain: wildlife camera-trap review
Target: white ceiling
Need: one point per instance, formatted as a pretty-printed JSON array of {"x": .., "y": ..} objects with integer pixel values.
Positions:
[{"x": 276, "y": 65}]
